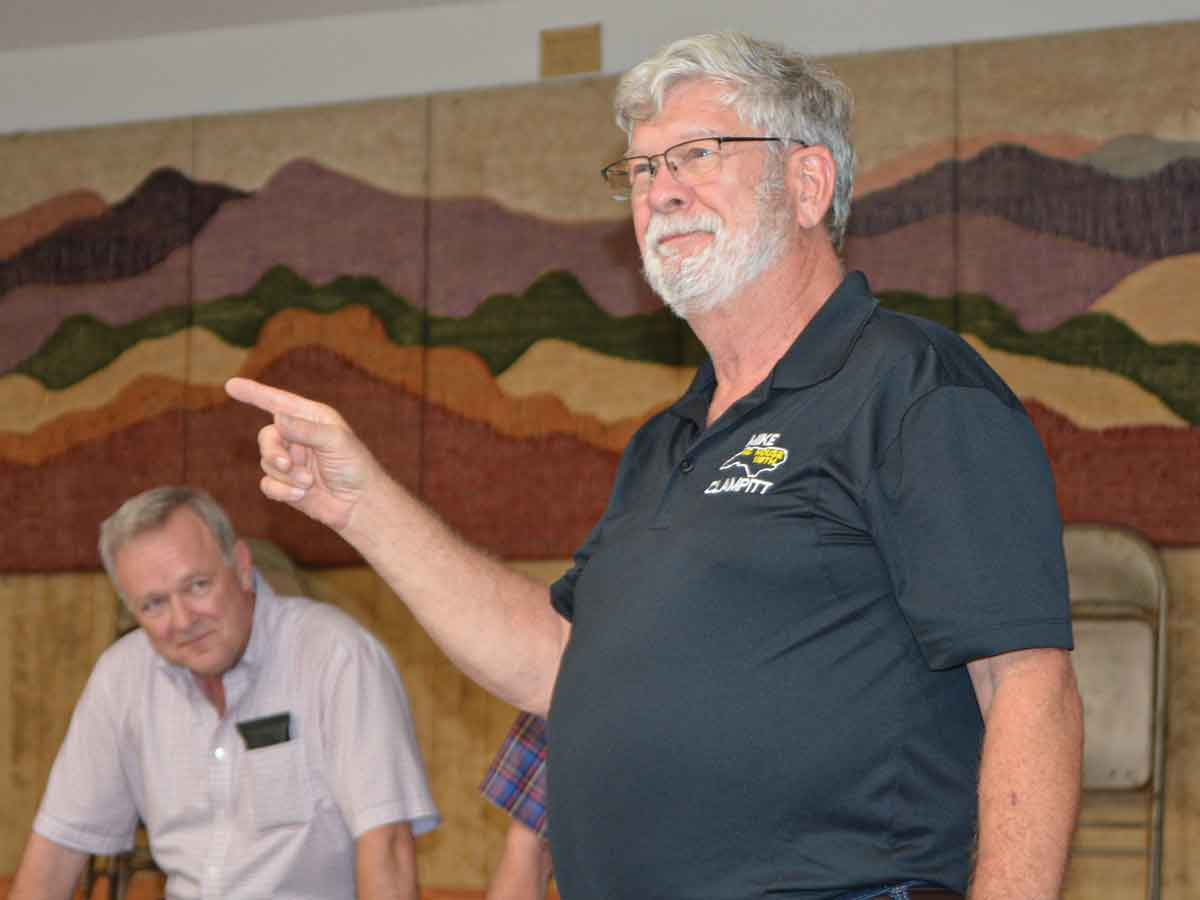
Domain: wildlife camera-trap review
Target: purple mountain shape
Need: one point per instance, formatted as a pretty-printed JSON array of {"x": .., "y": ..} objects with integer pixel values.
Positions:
[
  {"x": 1043, "y": 280},
  {"x": 322, "y": 224},
  {"x": 30, "y": 314},
  {"x": 1151, "y": 217},
  {"x": 319, "y": 223},
  {"x": 478, "y": 248},
  {"x": 164, "y": 212}
]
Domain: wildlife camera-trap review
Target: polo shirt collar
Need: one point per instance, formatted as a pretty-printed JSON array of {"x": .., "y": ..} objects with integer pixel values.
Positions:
[{"x": 819, "y": 351}]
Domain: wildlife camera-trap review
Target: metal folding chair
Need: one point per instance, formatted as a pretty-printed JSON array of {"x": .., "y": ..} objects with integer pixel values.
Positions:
[{"x": 1119, "y": 605}]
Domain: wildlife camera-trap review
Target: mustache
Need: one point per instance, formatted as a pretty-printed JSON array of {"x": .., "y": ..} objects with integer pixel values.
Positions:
[{"x": 662, "y": 227}]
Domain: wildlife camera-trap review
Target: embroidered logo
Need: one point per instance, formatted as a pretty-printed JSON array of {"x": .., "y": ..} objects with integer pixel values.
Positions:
[{"x": 758, "y": 456}]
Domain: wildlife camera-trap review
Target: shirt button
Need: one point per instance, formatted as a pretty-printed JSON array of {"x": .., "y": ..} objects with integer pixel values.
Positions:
[
  {"x": 687, "y": 465},
  {"x": 219, "y": 753}
]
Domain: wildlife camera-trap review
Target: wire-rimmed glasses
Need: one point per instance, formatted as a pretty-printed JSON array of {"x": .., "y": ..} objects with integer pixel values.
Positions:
[{"x": 689, "y": 162}]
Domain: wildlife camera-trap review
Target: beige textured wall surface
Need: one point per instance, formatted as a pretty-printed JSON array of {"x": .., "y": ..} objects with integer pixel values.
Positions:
[{"x": 52, "y": 629}]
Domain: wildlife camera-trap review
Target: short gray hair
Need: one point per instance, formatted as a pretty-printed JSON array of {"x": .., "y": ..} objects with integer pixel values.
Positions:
[
  {"x": 150, "y": 510},
  {"x": 779, "y": 93}
]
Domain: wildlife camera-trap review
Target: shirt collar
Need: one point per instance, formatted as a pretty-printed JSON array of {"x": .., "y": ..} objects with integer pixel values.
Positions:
[
  {"x": 264, "y": 614},
  {"x": 820, "y": 350}
]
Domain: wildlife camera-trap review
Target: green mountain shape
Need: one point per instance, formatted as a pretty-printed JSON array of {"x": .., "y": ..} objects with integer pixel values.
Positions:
[
  {"x": 555, "y": 305},
  {"x": 1097, "y": 340},
  {"x": 500, "y": 330}
]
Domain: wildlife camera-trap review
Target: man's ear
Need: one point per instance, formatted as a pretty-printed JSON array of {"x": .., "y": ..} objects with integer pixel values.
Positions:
[
  {"x": 243, "y": 562},
  {"x": 811, "y": 175}
]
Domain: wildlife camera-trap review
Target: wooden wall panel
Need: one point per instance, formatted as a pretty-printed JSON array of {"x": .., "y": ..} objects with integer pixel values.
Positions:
[{"x": 52, "y": 630}]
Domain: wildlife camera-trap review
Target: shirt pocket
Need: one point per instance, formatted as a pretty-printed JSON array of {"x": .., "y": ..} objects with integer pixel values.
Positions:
[{"x": 280, "y": 790}]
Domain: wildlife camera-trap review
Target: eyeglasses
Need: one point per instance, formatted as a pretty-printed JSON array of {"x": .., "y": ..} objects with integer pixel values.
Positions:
[{"x": 689, "y": 162}]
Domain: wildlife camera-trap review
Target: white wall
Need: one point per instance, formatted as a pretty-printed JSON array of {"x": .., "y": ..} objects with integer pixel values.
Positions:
[{"x": 477, "y": 44}]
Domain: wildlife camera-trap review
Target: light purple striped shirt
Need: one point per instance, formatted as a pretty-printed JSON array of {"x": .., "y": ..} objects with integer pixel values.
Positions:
[{"x": 227, "y": 822}]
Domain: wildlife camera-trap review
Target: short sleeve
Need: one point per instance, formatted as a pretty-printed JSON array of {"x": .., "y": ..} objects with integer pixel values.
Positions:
[
  {"x": 88, "y": 805},
  {"x": 964, "y": 510},
  {"x": 516, "y": 779},
  {"x": 378, "y": 776},
  {"x": 562, "y": 591}
]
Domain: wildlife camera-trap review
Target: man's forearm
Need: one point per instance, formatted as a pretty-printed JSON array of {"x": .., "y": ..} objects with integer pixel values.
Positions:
[
  {"x": 385, "y": 864},
  {"x": 1029, "y": 783},
  {"x": 473, "y": 606},
  {"x": 524, "y": 869},
  {"x": 48, "y": 871}
]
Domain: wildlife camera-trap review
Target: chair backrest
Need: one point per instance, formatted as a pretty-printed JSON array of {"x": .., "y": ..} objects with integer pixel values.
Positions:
[
  {"x": 1118, "y": 600},
  {"x": 1119, "y": 606}
]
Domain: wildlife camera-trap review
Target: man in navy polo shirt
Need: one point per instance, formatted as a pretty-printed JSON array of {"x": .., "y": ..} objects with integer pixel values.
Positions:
[{"x": 817, "y": 645}]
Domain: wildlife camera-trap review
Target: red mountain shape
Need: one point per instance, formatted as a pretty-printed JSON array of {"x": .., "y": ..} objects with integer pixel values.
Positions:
[
  {"x": 24, "y": 228},
  {"x": 164, "y": 212},
  {"x": 1142, "y": 477},
  {"x": 519, "y": 498}
]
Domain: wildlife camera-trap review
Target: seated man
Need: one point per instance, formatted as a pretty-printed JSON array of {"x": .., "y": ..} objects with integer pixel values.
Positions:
[
  {"x": 267, "y": 745},
  {"x": 516, "y": 782}
]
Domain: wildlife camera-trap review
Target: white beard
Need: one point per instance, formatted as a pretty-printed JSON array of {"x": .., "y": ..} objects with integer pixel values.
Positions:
[{"x": 699, "y": 283}]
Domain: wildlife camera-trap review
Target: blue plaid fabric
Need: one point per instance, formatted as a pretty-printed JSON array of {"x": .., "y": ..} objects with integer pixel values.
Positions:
[{"x": 516, "y": 779}]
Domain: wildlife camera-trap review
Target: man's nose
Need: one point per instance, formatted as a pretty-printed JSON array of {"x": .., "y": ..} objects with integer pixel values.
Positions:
[
  {"x": 182, "y": 615},
  {"x": 666, "y": 192}
]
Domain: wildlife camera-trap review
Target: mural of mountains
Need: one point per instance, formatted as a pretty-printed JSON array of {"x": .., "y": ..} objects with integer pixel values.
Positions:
[
  {"x": 499, "y": 330},
  {"x": 555, "y": 306},
  {"x": 442, "y": 418},
  {"x": 498, "y": 361},
  {"x": 481, "y": 479},
  {"x": 1011, "y": 204}
]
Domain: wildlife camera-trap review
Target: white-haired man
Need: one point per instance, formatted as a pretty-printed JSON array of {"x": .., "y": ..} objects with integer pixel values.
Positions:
[
  {"x": 266, "y": 744},
  {"x": 827, "y": 579}
]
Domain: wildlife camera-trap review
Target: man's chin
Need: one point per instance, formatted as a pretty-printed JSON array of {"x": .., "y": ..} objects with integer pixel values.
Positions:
[
  {"x": 688, "y": 306},
  {"x": 677, "y": 297}
]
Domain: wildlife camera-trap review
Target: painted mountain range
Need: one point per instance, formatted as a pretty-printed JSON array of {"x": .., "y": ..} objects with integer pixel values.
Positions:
[{"x": 498, "y": 361}]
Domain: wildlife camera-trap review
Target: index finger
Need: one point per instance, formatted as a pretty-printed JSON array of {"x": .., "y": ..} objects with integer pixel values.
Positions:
[{"x": 277, "y": 401}]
